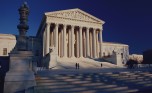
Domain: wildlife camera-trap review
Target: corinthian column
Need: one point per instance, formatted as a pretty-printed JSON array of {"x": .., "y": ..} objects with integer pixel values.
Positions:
[
  {"x": 69, "y": 42},
  {"x": 44, "y": 42},
  {"x": 80, "y": 42},
  {"x": 84, "y": 43},
  {"x": 97, "y": 43},
  {"x": 59, "y": 44},
  {"x": 94, "y": 42},
  {"x": 90, "y": 44},
  {"x": 56, "y": 37},
  {"x": 64, "y": 41},
  {"x": 100, "y": 43},
  {"x": 88, "y": 48},
  {"x": 47, "y": 38},
  {"x": 77, "y": 40},
  {"x": 72, "y": 41},
  {"x": 51, "y": 39}
]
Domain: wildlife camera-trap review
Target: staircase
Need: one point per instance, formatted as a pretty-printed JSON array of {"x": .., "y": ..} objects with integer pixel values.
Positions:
[
  {"x": 103, "y": 82},
  {"x": 85, "y": 63}
]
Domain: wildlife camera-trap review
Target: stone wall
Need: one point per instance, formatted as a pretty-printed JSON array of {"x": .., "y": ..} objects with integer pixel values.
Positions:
[
  {"x": 110, "y": 48},
  {"x": 136, "y": 57},
  {"x": 7, "y": 41}
]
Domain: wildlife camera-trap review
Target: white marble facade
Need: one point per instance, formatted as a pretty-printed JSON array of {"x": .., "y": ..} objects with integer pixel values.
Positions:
[
  {"x": 69, "y": 33},
  {"x": 72, "y": 33},
  {"x": 110, "y": 49},
  {"x": 7, "y": 44},
  {"x": 136, "y": 57}
]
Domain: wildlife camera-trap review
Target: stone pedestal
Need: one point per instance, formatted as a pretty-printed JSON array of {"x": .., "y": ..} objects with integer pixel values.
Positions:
[
  {"x": 119, "y": 60},
  {"x": 20, "y": 77},
  {"x": 53, "y": 58}
]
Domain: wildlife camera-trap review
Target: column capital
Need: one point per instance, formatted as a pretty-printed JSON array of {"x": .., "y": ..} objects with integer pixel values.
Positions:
[
  {"x": 87, "y": 28},
  {"x": 64, "y": 25},
  {"x": 80, "y": 27},
  {"x": 48, "y": 23},
  {"x": 94, "y": 28},
  {"x": 72, "y": 25},
  {"x": 56, "y": 24},
  {"x": 100, "y": 29}
]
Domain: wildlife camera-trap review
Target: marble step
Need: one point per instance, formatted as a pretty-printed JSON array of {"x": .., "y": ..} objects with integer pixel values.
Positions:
[{"x": 94, "y": 83}]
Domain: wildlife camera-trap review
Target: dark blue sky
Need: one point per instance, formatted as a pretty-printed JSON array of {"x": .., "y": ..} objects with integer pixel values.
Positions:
[{"x": 127, "y": 21}]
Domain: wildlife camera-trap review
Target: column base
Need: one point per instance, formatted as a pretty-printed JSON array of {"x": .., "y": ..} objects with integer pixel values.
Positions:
[
  {"x": 64, "y": 57},
  {"x": 81, "y": 57},
  {"x": 73, "y": 57},
  {"x": 94, "y": 57}
]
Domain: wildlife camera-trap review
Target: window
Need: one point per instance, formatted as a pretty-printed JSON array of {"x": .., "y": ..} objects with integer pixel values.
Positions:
[{"x": 4, "y": 51}]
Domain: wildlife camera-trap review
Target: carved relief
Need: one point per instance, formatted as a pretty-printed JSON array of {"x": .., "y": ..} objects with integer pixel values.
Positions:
[{"x": 77, "y": 15}]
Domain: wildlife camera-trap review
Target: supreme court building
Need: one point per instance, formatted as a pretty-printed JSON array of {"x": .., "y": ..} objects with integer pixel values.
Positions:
[
  {"x": 72, "y": 33},
  {"x": 70, "y": 36}
]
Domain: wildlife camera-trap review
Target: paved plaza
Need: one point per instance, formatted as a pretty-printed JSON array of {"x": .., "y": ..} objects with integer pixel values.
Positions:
[{"x": 116, "y": 80}]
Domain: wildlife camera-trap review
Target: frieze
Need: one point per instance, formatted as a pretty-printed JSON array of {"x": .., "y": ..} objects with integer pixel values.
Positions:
[{"x": 60, "y": 20}]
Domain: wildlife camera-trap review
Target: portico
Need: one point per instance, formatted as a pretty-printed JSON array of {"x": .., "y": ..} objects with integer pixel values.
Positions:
[{"x": 73, "y": 34}]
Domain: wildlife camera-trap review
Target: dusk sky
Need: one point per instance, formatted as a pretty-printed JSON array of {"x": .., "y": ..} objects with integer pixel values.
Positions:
[{"x": 126, "y": 21}]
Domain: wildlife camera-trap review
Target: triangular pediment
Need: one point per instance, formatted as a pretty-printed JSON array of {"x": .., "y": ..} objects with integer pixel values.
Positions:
[{"x": 75, "y": 14}]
